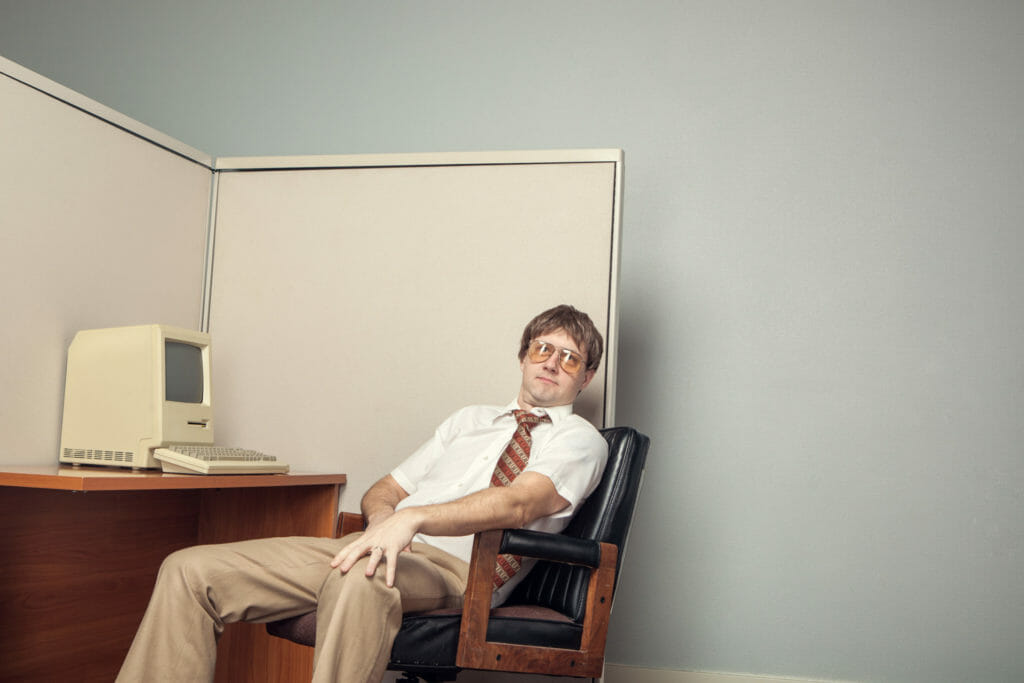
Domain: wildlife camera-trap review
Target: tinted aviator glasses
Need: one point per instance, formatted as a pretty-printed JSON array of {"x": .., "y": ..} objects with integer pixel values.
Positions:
[{"x": 539, "y": 351}]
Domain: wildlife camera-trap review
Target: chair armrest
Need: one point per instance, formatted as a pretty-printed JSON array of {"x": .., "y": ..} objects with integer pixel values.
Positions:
[
  {"x": 476, "y": 652},
  {"x": 553, "y": 547},
  {"x": 349, "y": 523}
]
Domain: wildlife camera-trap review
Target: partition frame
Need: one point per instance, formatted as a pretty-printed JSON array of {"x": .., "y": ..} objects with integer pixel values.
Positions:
[
  {"x": 91, "y": 107},
  {"x": 467, "y": 158}
]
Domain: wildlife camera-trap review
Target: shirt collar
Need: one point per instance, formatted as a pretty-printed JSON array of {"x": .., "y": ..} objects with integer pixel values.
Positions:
[{"x": 556, "y": 413}]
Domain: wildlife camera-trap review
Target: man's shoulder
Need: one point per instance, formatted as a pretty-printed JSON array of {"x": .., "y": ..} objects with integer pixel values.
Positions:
[
  {"x": 479, "y": 411},
  {"x": 578, "y": 422},
  {"x": 472, "y": 416},
  {"x": 580, "y": 431}
]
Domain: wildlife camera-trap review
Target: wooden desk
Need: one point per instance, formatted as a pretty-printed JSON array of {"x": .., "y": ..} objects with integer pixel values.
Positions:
[{"x": 80, "y": 547}]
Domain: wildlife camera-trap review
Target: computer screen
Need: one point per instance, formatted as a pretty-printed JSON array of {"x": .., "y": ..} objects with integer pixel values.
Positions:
[
  {"x": 183, "y": 372},
  {"x": 130, "y": 390}
]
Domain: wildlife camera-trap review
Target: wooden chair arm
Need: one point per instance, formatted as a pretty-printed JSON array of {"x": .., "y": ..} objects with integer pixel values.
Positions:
[
  {"x": 349, "y": 523},
  {"x": 476, "y": 652}
]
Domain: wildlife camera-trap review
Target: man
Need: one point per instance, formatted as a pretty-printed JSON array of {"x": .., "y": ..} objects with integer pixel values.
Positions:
[{"x": 528, "y": 464}]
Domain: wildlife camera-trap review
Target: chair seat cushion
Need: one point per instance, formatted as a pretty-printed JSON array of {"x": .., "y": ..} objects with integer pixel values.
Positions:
[{"x": 300, "y": 629}]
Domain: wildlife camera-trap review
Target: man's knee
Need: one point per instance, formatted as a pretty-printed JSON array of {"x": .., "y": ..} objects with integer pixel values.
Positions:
[
  {"x": 189, "y": 566},
  {"x": 355, "y": 584},
  {"x": 178, "y": 562}
]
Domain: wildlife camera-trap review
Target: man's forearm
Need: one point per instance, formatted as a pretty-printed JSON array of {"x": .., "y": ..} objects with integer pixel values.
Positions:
[
  {"x": 380, "y": 500},
  {"x": 487, "y": 509},
  {"x": 531, "y": 497},
  {"x": 389, "y": 533}
]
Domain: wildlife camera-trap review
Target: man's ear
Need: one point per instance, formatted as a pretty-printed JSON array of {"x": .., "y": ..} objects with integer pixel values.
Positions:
[{"x": 586, "y": 379}]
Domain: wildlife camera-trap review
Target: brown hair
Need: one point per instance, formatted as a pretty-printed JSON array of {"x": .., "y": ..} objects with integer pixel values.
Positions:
[{"x": 576, "y": 324}]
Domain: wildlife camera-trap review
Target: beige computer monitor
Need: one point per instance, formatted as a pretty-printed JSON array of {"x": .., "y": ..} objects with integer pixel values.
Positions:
[{"x": 130, "y": 390}]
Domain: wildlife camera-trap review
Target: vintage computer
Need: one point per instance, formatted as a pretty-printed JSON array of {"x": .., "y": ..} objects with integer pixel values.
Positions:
[{"x": 140, "y": 397}]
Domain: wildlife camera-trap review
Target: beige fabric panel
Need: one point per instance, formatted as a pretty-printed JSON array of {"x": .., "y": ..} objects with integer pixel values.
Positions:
[
  {"x": 352, "y": 309},
  {"x": 98, "y": 227}
]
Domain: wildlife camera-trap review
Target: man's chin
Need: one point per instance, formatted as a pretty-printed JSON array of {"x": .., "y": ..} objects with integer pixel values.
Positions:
[{"x": 546, "y": 399}]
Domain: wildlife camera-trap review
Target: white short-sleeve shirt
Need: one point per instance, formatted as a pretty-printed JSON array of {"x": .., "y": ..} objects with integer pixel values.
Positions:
[{"x": 460, "y": 458}]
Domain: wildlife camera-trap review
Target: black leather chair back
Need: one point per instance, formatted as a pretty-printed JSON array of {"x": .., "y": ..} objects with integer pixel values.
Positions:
[{"x": 605, "y": 516}]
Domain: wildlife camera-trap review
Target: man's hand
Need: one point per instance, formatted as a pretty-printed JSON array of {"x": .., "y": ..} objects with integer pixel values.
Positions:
[
  {"x": 389, "y": 533},
  {"x": 382, "y": 541}
]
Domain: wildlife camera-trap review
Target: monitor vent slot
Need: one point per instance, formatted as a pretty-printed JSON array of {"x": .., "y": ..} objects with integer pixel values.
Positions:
[{"x": 92, "y": 455}]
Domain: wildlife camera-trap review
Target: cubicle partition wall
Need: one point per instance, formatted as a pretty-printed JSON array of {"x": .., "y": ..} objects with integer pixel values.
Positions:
[
  {"x": 103, "y": 222},
  {"x": 353, "y": 301},
  {"x": 356, "y": 301}
]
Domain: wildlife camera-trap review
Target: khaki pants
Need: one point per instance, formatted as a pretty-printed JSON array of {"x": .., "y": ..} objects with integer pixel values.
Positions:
[{"x": 200, "y": 589}]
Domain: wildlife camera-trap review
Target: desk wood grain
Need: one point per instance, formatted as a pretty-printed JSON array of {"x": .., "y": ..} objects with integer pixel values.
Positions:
[
  {"x": 88, "y": 478},
  {"x": 81, "y": 548}
]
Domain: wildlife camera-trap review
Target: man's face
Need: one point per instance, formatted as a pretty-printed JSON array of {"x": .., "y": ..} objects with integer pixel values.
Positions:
[{"x": 546, "y": 383}]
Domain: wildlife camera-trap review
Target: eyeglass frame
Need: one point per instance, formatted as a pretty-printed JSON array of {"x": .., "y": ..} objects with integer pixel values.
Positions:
[{"x": 564, "y": 355}]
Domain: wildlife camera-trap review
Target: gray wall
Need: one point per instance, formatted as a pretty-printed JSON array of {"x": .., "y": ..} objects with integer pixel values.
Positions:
[{"x": 821, "y": 304}]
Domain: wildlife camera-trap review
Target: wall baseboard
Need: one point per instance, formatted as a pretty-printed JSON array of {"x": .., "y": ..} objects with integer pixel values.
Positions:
[{"x": 618, "y": 673}]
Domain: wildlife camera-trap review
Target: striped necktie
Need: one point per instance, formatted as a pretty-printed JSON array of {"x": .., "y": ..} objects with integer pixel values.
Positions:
[{"x": 510, "y": 465}]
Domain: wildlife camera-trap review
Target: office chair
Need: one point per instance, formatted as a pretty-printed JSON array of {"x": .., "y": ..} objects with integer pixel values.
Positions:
[{"x": 556, "y": 620}]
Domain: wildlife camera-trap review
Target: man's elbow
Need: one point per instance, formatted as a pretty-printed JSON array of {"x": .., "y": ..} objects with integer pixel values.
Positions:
[
  {"x": 531, "y": 497},
  {"x": 526, "y": 511},
  {"x": 518, "y": 514}
]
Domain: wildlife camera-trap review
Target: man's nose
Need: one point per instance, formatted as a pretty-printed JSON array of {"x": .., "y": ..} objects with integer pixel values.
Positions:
[{"x": 551, "y": 363}]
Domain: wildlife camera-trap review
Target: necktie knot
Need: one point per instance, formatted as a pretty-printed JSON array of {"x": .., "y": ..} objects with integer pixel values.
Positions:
[{"x": 528, "y": 419}]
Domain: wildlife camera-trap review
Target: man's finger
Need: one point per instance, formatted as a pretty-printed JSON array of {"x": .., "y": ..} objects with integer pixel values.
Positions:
[
  {"x": 348, "y": 556},
  {"x": 390, "y": 569},
  {"x": 376, "y": 555},
  {"x": 342, "y": 555}
]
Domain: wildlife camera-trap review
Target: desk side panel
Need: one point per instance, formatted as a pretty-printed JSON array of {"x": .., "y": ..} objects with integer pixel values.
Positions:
[
  {"x": 77, "y": 573},
  {"x": 78, "y": 569}
]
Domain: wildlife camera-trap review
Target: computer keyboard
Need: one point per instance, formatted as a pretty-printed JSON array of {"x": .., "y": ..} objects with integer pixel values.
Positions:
[{"x": 181, "y": 459}]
